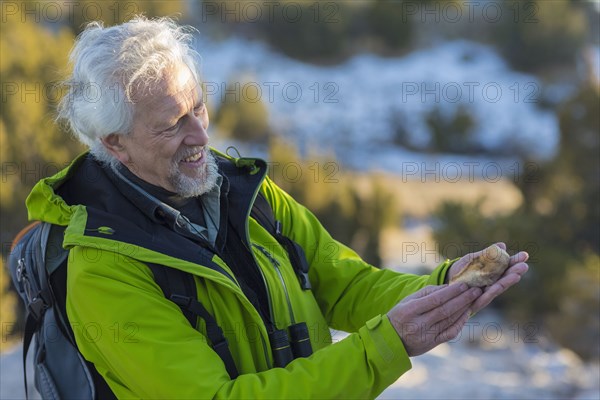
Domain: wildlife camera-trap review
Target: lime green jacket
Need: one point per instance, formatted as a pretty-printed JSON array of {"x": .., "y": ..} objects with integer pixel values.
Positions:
[{"x": 143, "y": 345}]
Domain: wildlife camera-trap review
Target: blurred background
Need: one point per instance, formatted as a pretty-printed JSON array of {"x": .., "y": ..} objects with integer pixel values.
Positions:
[{"x": 415, "y": 130}]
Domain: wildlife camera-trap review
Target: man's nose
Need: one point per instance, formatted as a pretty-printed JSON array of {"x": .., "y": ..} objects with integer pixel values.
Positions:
[{"x": 196, "y": 133}]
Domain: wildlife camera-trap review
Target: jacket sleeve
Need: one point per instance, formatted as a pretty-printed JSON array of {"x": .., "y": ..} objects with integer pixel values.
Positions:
[
  {"x": 144, "y": 347},
  {"x": 348, "y": 290}
]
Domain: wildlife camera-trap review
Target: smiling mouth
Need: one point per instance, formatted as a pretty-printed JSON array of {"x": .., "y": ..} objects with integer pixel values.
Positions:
[{"x": 193, "y": 158}]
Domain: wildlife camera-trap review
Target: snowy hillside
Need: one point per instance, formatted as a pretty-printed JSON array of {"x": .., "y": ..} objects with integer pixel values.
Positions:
[{"x": 352, "y": 108}]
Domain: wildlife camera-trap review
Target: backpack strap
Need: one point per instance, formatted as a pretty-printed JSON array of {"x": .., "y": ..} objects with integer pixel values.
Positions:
[
  {"x": 262, "y": 212},
  {"x": 55, "y": 263},
  {"x": 31, "y": 326},
  {"x": 180, "y": 287},
  {"x": 29, "y": 248},
  {"x": 56, "y": 257}
]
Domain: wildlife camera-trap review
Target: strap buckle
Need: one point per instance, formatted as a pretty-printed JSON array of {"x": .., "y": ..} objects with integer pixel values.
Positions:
[
  {"x": 304, "y": 281},
  {"x": 37, "y": 307}
]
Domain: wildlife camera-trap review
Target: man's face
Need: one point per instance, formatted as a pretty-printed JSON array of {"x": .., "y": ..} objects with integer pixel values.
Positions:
[{"x": 168, "y": 144}]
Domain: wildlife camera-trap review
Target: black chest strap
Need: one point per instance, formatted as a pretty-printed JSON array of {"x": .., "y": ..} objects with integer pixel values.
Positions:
[{"x": 180, "y": 287}]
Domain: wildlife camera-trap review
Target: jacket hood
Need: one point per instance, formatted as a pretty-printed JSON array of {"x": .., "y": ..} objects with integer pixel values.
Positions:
[{"x": 44, "y": 204}]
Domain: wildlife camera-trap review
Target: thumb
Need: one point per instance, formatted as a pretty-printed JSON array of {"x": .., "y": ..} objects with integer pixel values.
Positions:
[{"x": 502, "y": 245}]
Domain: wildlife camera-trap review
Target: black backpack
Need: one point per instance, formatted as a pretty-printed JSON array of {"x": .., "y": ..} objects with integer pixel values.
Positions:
[{"x": 38, "y": 267}]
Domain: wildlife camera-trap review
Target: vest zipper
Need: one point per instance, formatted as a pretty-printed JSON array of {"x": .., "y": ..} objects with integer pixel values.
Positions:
[{"x": 276, "y": 265}]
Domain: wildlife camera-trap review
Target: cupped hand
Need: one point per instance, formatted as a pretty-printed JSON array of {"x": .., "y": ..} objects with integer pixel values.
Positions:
[{"x": 432, "y": 315}]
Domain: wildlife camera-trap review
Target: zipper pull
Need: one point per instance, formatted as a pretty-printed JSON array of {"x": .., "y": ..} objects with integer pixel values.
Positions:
[
  {"x": 21, "y": 272},
  {"x": 105, "y": 230}
]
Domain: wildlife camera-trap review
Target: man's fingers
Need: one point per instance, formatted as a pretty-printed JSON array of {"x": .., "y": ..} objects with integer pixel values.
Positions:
[
  {"x": 494, "y": 291},
  {"x": 410, "y": 303},
  {"x": 520, "y": 257},
  {"x": 453, "y": 330},
  {"x": 438, "y": 298},
  {"x": 519, "y": 268},
  {"x": 449, "y": 309},
  {"x": 511, "y": 277},
  {"x": 444, "y": 324},
  {"x": 426, "y": 291}
]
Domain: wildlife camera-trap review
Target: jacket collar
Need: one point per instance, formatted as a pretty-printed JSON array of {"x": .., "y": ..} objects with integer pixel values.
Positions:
[{"x": 86, "y": 198}]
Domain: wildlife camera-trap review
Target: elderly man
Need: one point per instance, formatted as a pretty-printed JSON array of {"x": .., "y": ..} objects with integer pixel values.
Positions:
[{"x": 151, "y": 192}]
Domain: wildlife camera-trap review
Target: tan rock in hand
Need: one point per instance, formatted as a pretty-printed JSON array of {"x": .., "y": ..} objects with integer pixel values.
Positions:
[{"x": 484, "y": 269}]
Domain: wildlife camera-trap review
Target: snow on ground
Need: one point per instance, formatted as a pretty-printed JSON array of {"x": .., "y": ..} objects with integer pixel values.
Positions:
[
  {"x": 350, "y": 108},
  {"x": 491, "y": 359}
]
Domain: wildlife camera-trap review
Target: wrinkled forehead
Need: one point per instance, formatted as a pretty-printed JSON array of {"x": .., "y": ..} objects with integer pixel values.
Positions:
[{"x": 177, "y": 84}]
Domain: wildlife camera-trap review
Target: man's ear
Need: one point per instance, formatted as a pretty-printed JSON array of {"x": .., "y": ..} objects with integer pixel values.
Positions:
[{"x": 114, "y": 144}]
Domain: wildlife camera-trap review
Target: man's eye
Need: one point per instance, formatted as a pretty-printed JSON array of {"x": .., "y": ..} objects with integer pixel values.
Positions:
[{"x": 171, "y": 130}]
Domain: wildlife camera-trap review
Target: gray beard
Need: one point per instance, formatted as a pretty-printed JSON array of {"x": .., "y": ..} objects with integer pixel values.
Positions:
[{"x": 191, "y": 187}]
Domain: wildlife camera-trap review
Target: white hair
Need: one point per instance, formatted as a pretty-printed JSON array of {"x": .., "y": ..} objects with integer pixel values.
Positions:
[{"x": 111, "y": 65}]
